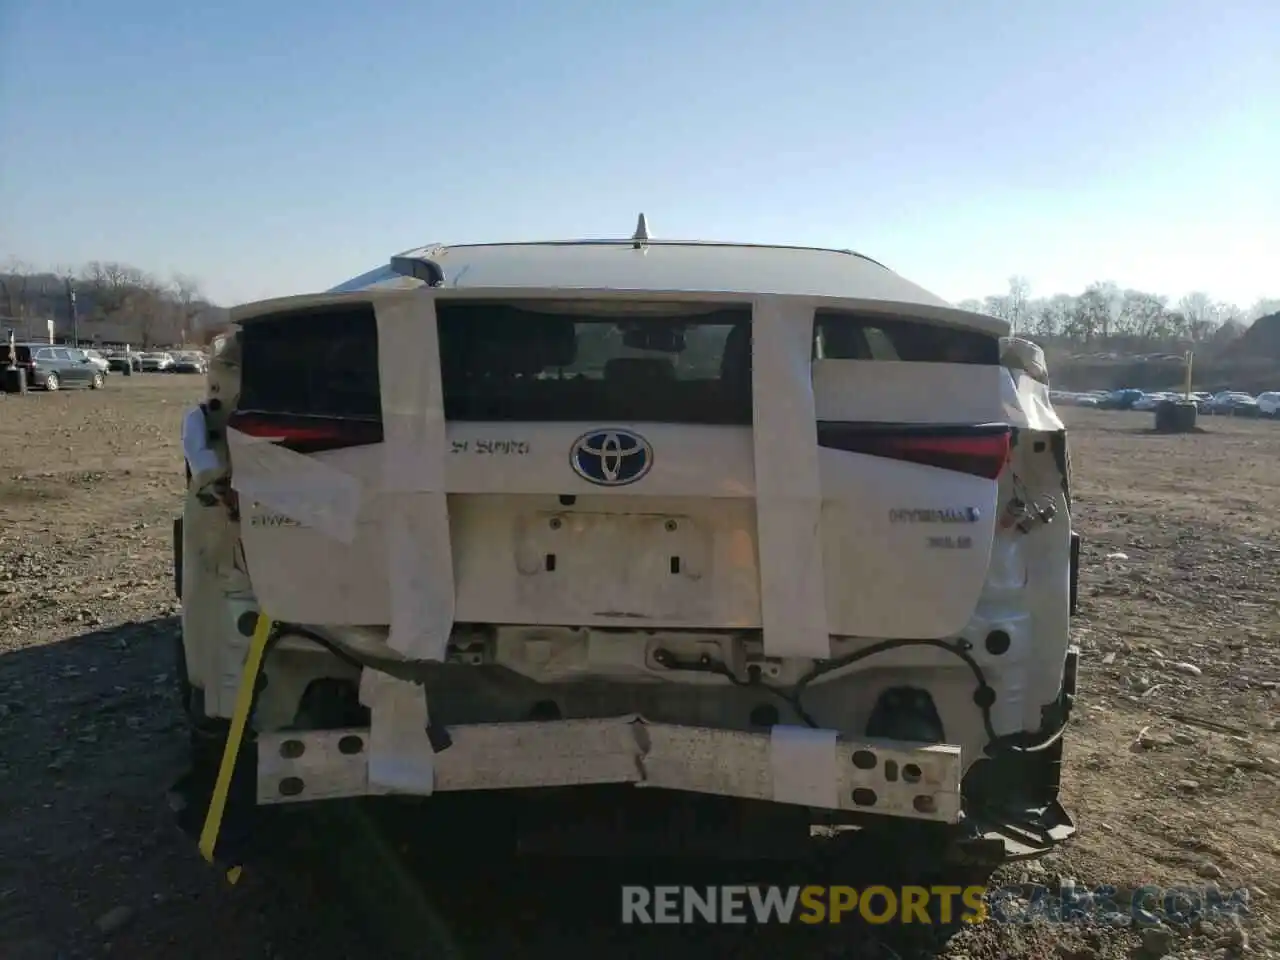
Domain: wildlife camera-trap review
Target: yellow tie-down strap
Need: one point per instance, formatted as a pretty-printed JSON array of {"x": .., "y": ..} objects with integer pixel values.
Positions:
[{"x": 235, "y": 738}]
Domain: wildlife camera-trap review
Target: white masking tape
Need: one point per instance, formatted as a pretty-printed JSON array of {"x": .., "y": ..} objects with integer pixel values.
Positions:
[
  {"x": 788, "y": 483},
  {"x": 195, "y": 443},
  {"x": 400, "y": 754},
  {"x": 415, "y": 506},
  {"x": 804, "y": 764},
  {"x": 301, "y": 487},
  {"x": 413, "y": 424}
]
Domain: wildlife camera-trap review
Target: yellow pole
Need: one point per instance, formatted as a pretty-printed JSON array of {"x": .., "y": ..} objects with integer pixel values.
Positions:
[
  {"x": 1190, "y": 357},
  {"x": 235, "y": 737}
]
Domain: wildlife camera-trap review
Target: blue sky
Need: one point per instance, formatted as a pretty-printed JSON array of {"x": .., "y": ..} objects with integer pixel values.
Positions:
[{"x": 270, "y": 148}]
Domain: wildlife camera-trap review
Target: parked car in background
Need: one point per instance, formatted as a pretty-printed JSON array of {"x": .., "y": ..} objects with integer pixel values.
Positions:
[
  {"x": 120, "y": 360},
  {"x": 98, "y": 360},
  {"x": 189, "y": 361},
  {"x": 1120, "y": 400},
  {"x": 1067, "y": 398},
  {"x": 1269, "y": 403},
  {"x": 1149, "y": 401},
  {"x": 1234, "y": 403},
  {"x": 156, "y": 362},
  {"x": 51, "y": 367}
]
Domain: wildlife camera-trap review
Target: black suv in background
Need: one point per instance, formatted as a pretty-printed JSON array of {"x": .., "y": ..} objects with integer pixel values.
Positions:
[
  {"x": 121, "y": 362},
  {"x": 51, "y": 367}
]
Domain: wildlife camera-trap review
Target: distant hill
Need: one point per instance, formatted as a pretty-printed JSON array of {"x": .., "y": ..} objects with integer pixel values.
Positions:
[{"x": 1261, "y": 340}]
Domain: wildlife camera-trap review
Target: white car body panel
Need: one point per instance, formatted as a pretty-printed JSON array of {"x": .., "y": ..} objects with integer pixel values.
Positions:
[{"x": 393, "y": 549}]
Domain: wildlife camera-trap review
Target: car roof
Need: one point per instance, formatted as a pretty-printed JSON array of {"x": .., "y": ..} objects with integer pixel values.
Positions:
[
  {"x": 655, "y": 265},
  {"x": 640, "y": 265}
]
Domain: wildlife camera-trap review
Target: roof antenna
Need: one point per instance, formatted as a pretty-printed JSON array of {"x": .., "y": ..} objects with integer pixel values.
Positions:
[{"x": 641, "y": 237}]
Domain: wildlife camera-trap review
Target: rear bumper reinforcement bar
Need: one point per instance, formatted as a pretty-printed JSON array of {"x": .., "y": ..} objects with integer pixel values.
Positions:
[{"x": 888, "y": 778}]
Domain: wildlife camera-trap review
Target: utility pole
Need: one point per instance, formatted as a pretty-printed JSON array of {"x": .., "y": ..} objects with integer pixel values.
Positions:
[{"x": 75, "y": 317}]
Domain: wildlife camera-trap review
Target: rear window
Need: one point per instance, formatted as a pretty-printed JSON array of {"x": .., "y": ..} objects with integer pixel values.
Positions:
[
  {"x": 320, "y": 362},
  {"x": 502, "y": 362},
  {"x": 840, "y": 335}
]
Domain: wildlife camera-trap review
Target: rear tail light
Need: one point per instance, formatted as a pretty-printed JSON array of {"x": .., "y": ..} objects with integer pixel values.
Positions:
[
  {"x": 981, "y": 451},
  {"x": 307, "y": 434}
]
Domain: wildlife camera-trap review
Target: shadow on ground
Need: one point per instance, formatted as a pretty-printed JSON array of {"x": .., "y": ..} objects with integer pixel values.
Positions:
[
  {"x": 1152, "y": 431},
  {"x": 91, "y": 861}
]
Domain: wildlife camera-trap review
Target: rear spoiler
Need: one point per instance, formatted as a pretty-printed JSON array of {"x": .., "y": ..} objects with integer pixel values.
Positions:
[{"x": 1019, "y": 354}]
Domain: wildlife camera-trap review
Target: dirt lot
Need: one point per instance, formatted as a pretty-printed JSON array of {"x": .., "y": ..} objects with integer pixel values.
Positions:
[{"x": 1173, "y": 766}]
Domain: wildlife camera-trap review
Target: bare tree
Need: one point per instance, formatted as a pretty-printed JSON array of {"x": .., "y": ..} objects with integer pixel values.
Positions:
[
  {"x": 149, "y": 311},
  {"x": 997, "y": 305},
  {"x": 1200, "y": 313},
  {"x": 1052, "y": 317},
  {"x": 13, "y": 288},
  {"x": 1105, "y": 299},
  {"x": 1019, "y": 294},
  {"x": 1143, "y": 315},
  {"x": 1091, "y": 316},
  {"x": 186, "y": 291}
]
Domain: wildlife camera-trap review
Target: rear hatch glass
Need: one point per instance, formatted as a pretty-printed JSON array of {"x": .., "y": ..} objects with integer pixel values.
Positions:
[{"x": 504, "y": 363}]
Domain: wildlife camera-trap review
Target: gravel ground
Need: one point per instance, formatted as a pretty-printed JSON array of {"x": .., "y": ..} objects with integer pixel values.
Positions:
[{"x": 1172, "y": 767}]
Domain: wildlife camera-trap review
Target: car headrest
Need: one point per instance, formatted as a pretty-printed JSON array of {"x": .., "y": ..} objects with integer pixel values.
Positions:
[{"x": 735, "y": 361}]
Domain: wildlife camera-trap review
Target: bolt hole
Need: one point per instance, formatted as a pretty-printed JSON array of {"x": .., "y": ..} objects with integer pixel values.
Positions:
[
  {"x": 556, "y": 523},
  {"x": 998, "y": 642},
  {"x": 291, "y": 786},
  {"x": 925, "y": 804},
  {"x": 549, "y": 561},
  {"x": 864, "y": 797},
  {"x": 671, "y": 526},
  {"x": 764, "y": 715},
  {"x": 891, "y": 771},
  {"x": 292, "y": 749},
  {"x": 864, "y": 760},
  {"x": 246, "y": 623},
  {"x": 911, "y": 773},
  {"x": 350, "y": 745}
]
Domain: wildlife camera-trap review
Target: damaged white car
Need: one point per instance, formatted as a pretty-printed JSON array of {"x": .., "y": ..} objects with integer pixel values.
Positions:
[{"x": 771, "y": 532}]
